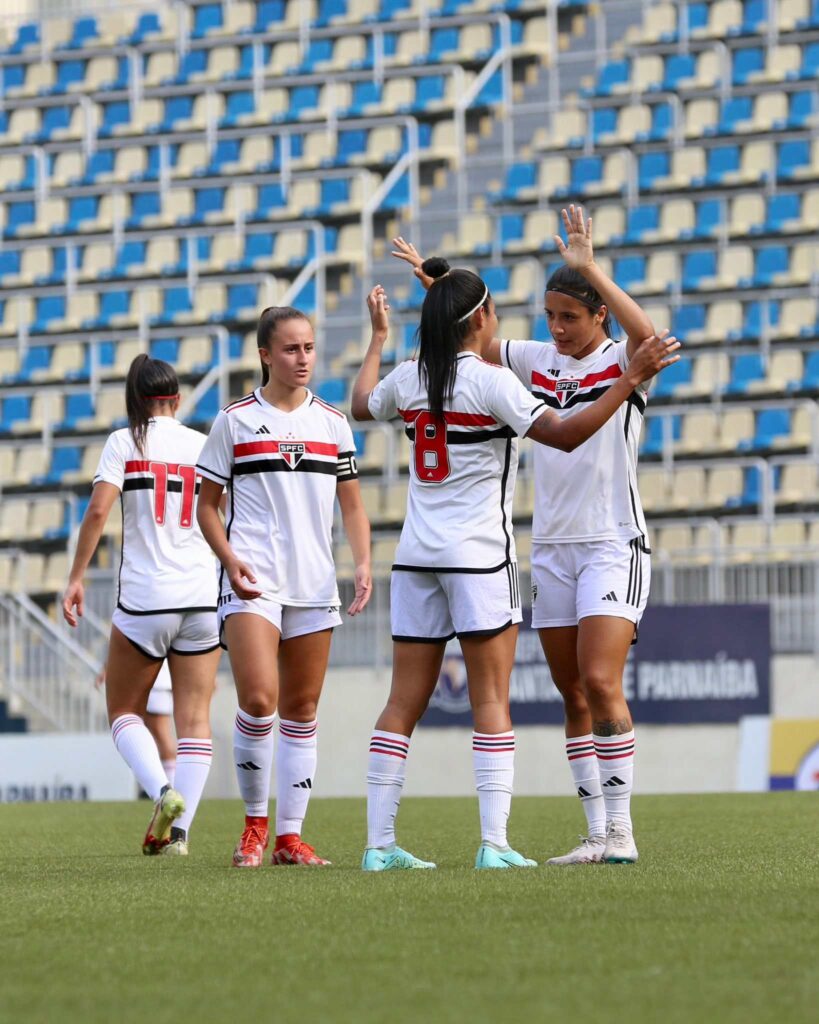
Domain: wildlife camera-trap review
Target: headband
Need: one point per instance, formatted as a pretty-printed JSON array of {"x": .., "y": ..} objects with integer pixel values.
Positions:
[
  {"x": 474, "y": 309},
  {"x": 594, "y": 306},
  {"x": 160, "y": 398}
]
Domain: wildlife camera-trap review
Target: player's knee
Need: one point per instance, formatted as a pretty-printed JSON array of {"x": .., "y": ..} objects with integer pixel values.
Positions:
[
  {"x": 298, "y": 710},
  {"x": 600, "y": 685},
  {"x": 405, "y": 710},
  {"x": 574, "y": 699},
  {"x": 258, "y": 705}
]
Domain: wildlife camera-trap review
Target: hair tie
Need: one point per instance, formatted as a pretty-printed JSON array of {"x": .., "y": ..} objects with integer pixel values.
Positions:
[{"x": 474, "y": 309}]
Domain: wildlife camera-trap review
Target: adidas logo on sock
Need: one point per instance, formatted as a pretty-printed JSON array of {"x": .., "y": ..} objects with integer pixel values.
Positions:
[
  {"x": 611, "y": 596},
  {"x": 262, "y": 430},
  {"x": 306, "y": 784},
  {"x": 582, "y": 792},
  {"x": 614, "y": 781},
  {"x": 249, "y": 766}
]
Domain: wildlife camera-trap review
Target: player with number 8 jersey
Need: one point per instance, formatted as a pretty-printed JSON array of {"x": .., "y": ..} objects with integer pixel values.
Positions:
[{"x": 166, "y": 595}]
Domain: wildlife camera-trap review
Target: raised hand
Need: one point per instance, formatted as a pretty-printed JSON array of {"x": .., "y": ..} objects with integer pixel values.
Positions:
[
  {"x": 407, "y": 252},
  {"x": 653, "y": 355},
  {"x": 578, "y": 253},
  {"x": 363, "y": 590},
  {"x": 379, "y": 310}
]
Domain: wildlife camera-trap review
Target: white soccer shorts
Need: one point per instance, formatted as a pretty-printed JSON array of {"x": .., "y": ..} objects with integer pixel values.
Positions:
[
  {"x": 573, "y": 581},
  {"x": 290, "y": 620},
  {"x": 430, "y": 607},
  {"x": 160, "y": 699},
  {"x": 158, "y": 635}
]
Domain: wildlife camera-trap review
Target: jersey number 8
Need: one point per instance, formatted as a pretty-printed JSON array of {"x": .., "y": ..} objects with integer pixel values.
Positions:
[
  {"x": 431, "y": 455},
  {"x": 160, "y": 471}
]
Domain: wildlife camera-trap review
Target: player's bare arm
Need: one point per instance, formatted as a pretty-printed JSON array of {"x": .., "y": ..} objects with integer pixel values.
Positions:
[
  {"x": 357, "y": 529},
  {"x": 212, "y": 526},
  {"x": 578, "y": 253},
  {"x": 93, "y": 523},
  {"x": 407, "y": 252},
  {"x": 371, "y": 367},
  {"x": 653, "y": 355}
]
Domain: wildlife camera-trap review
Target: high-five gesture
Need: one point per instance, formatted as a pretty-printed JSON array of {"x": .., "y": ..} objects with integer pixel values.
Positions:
[
  {"x": 578, "y": 253},
  {"x": 407, "y": 252},
  {"x": 379, "y": 311}
]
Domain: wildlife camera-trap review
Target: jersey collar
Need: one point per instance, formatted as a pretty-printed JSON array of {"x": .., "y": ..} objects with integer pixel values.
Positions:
[{"x": 282, "y": 412}]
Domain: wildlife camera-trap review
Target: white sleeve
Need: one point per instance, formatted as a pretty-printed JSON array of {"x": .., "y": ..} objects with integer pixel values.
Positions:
[
  {"x": 347, "y": 466},
  {"x": 511, "y": 403},
  {"x": 383, "y": 400},
  {"x": 216, "y": 458},
  {"x": 111, "y": 467},
  {"x": 623, "y": 362},
  {"x": 519, "y": 357}
]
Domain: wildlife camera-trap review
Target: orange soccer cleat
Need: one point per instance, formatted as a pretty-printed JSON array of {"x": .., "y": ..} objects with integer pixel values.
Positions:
[
  {"x": 291, "y": 849},
  {"x": 249, "y": 852}
]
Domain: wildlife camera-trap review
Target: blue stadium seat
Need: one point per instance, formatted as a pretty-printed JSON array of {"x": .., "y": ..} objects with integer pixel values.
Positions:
[
  {"x": 319, "y": 51},
  {"x": 496, "y": 279},
  {"x": 746, "y": 61},
  {"x": 639, "y": 220},
  {"x": 801, "y": 108},
  {"x": 510, "y": 227},
  {"x": 720, "y": 161},
  {"x": 239, "y": 104},
  {"x": 687, "y": 318},
  {"x": 651, "y": 166},
  {"x": 207, "y": 17},
  {"x": 519, "y": 176},
  {"x": 206, "y": 201},
  {"x": 303, "y": 99},
  {"x": 269, "y": 197},
  {"x": 604, "y": 121},
  {"x": 708, "y": 217},
  {"x": 47, "y": 308},
  {"x": 239, "y": 297},
  {"x": 678, "y": 67},
  {"x": 106, "y": 357},
  {"x": 69, "y": 72},
  {"x": 64, "y": 460},
  {"x": 429, "y": 89},
  {"x": 364, "y": 94},
  {"x": 268, "y": 14},
  {"x": 754, "y": 314},
  {"x": 18, "y": 214},
  {"x": 754, "y": 17},
  {"x": 16, "y": 409},
  {"x": 81, "y": 209},
  {"x": 143, "y": 204},
  {"x": 662, "y": 122},
  {"x": 792, "y": 155},
  {"x": 734, "y": 112},
  {"x": 38, "y": 357},
  {"x": 175, "y": 301},
  {"x": 442, "y": 41},
  {"x": 206, "y": 408},
  {"x": 112, "y": 303},
  {"x": 85, "y": 30},
  {"x": 586, "y": 170},
  {"x": 612, "y": 74},
  {"x": 654, "y": 438},
  {"x": 398, "y": 195},
  {"x": 810, "y": 377},
  {"x": 810, "y": 61},
  {"x": 744, "y": 369},
  {"x": 14, "y": 76},
  {"x": 77, "y": 407},
  {"x": 28, "y": 35},
  {"x": 630, "y": 270},
  {"x": 770, "y": 262},
  {"x": 177, "y": 108},
  {"x": 9, "y": 263},
  {"x": 770, "y": 424},
  {"x": 698, "y": 266},
  {"x": 333, "y": 390},
  {"x": 259, "y": 246},
  {"x": 147, "y": 24},
  {"x": 165, "y": 348},
  {"x": 131, "y": 254},
  {"x": 781, "y": 210},
  {"x": 113, "y": 114},
  {"x": 53, "y": 119},
  {"x": 667, "y": 382},
  {"x": 351, "y": 141}
]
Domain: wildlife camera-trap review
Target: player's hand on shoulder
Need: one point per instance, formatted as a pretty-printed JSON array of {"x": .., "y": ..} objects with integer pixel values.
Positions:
[
  {"x": 379, "y": 310},
  {"x": 363, "y": 590},
  {"x": 652, "y": 355},
  {"x": 407, "y": 252},
  {"x": 73, "y": 598},
  {"x": 242, "y": 581}
]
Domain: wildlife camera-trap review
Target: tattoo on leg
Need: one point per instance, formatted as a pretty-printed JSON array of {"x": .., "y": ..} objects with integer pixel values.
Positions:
[{"x": 612, "y": 727}]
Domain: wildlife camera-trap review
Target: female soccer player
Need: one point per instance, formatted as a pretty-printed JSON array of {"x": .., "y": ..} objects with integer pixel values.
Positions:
[
  {"x": 283, "y": 455},
  {"x": 166, "y": 604},
  {"x": 455, "y": 572},
  {"x": 590, "y": 552}
]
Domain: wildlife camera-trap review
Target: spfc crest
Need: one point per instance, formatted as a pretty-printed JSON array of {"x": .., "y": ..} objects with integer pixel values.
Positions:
[
  {"x": 291, "y": 452},
  {"x": 564, "y": 389}
]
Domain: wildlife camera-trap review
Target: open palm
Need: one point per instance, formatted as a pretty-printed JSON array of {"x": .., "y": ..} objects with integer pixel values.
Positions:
[{"x": 577, "y": 252}]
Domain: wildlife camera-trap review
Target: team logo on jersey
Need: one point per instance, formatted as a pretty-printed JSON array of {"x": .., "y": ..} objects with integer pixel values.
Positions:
[
  {"x": 291, "y": 452},
  {"x": 565, "y": 389}
]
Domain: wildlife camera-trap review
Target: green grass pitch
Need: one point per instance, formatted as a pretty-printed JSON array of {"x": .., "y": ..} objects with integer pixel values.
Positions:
[{"x": 719, "y": 921}]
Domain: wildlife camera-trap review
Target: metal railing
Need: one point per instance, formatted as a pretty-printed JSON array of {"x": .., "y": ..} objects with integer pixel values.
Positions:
[{"x": 48, "y": 673}]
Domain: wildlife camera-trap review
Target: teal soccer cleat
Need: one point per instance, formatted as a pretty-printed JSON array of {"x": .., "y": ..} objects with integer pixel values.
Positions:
[
  {"x": 490, "y": 856},
  {"x": 392, "y": 859}
]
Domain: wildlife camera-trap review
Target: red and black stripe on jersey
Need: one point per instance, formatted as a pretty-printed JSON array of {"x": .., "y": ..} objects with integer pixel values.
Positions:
[
  {"x": 589, "y": 388},
  {"x": 293, "y": 457},
  {"x": 138, "y": 477},
  {"x": 479, "y": 427}
]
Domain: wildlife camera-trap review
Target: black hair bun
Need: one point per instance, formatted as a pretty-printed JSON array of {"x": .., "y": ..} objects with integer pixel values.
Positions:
[{"x": 435, "y": 266}]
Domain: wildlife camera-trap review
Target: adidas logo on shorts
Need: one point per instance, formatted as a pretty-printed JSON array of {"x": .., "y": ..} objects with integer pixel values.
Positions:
[{"x": 611, "y": 596}]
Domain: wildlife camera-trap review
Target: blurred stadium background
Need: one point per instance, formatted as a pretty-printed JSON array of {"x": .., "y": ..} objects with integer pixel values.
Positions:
[{"x": 167, "y": 170}]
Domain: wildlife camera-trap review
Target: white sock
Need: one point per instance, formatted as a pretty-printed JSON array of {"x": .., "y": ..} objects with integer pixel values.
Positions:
[
  {"x": 193, "y": 757},
  {"x": 586, "y": 775},
  {"x": 169, "y": 767},
  {"x": 137, "y": 748},
  {"x": 615, "y": 757},
  {"x": 253, "y": 757},
  {"x": 296, "y": 756},
  {"x": 386, "y": 770},
  {"x": 493, "y": 758}
]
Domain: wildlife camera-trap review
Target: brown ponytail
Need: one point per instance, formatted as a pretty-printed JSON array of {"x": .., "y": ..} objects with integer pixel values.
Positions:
[{"x": 149, "y": 381}]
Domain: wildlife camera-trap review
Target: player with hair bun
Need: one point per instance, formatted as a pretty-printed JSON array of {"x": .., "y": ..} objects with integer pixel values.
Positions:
[
  {"x": 166, "y": 601},
  {"x": 455, "y": 570},
  {"x": 590, "y": 550},
  {"x": 284, "y": 456}
]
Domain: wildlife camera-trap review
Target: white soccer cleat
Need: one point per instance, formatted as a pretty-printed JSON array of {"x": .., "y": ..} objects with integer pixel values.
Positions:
[
  {"x": 588, "y": 851},
  {"x": 620, "y": 847}
]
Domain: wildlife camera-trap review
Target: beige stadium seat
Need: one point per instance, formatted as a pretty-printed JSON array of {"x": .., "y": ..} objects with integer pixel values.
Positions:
[
  {"x": 723, "y": 315},
  {"x": 756, "y": 161},
  {"x": 178, "y": 205},
  {"x": 554, "y": 172},
  {"x": 46, "y": 514},
  {"x": 382, "y": 142},
  {"x": 653, "y": 485},
  {"x": 22, "y": 122},
  {"x": 130, "y": 161},
  {"x": 36, "y": 419},
  {"x": 348, "y": 50},
  {"x": 568, "y": 124},
  {"x": 647, "y": 71},
  {"x": 148, "y": 112},
  {"x": 40, "y": 77},
  {"x": 349, "y": 244},
  {"x": 658, "y": 20},
  {"x": 112, "y": 26},
  {"x": 9, "y": 577},
  {"x": 210, "y": 298},
  {"x": 722, "y": 16},
  {"x": 724, "y": 482},
  {"x": 699, "y": 432},
  {"x": 14, "y": 519},
  {"x": 193, "y": 352},
  {"x": 662, "y": 270},
  {"x": 674, "y": 539},
  {"x": 631, "y": 122},
  {"x": 127, "y": 350},
  {"x": 89, "y": 461},
  {"x": 82, "y": 306},
  {"x": 802, "y": 429},
  {"x": 708, "y": 73},
  {"x": 69, "y": 357},
  {"x": 227, "y": 247},
  {"x": 257, "y": 151},
  {"x": 411, "y": 44},
  {"x": 700, "y": 114},
  {"x": 788, "y": 533},
  {"x": 783, "y": 368},
  {"x": 192, "y": 156},
  {"x": 395, "y": 503},
  {"x": 284, "y": 56},
  {"x": 50, "y": 213},
  {"x": 769, "y": 108},
  {"x": 31, "y": 461},
  {"x": 608, "y": 221},
  {"x": 358, "y": 10},
  {"x": 67, "y": 166},
  {"x": 791, "y": 14},
  {"x": 795, "y": 314},
  {"x": 398, "y": 92},
  {"x": 305, "y": 194},
  {"x": 782, "y": 62},
  {"x": 33, "y": 260},
  {"x": 737, "y": 425},
  {"x": 676, "y": 215},
  {"x": 475, "y": 229},
  {"x": 240, "y": 200},
  {"x": 55, "y": 572},
  {"x": 686, "y": 163},
  {"x": 687, "y": 488},
  {"x": 319, "y": 146},
  {"x": 291, "y": 247},
  {"x": 524, "y": 503},
  {"x": 371, "y": 499},
  {"x": 804, "y": 263},
  {"x": 748, "y": 540},
  {"x": 16, "y": 313},
  {"x": 384, "y": 552},
  {"x": 539, "y": 227},
  {"x": 710, "y": 374},
  {"x": 12, "y": 169},
  {"x": 299, "y": 12},
  {"x": 747, "y": 210},
  {"x": 162, "y": 251},
  {"x": 474, "y": 39},
  {"x": 273, "y": 103},
  {"x": 159, "y": 65},
  {"x": 224, "y": 60},
  {"x": 32, "y": 571},
  {"x": 733, "y": 263},
  {"x": 798, "y": 484},
  {"x": 6, "y": 462},
  {"x": 108, "y": 407},
  {"x": 376, "y": 450}
]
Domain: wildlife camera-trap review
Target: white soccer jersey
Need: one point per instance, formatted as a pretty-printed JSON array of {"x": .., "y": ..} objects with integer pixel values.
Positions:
[
  {"x": 590, "y": 493},
  {"x": 459, "y": 508},
  {"x": 281, "y": 470},
  {"x": 167, "y": 565}
]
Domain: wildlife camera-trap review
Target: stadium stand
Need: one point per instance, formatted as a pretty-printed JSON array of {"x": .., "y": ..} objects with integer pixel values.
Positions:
[{"x": 165, "y": 174}]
